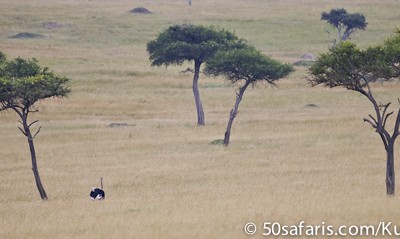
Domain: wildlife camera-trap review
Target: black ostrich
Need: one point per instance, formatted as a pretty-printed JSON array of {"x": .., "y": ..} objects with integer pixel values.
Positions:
[{"x": 98, "y": 193}]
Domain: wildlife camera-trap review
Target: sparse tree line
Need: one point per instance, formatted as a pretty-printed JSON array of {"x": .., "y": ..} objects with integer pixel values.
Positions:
[{"x": 23, "y": 82}]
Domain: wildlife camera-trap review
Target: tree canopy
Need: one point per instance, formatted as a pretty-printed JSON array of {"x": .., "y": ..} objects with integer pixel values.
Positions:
[
  {"x": 353, "y": 68},
  {"x": 246, "y": 64},
  {"x": 23, "y": 82},
  {"x": 341, "y": 20},
  {"x": 187, "y": 42}
]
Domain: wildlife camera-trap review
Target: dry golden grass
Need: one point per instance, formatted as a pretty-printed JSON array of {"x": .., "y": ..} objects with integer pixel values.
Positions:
[{"x": 163, "y": 179}]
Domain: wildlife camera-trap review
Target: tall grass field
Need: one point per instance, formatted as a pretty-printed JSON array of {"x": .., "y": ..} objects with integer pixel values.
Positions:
[{"x": 297, "y": 153}]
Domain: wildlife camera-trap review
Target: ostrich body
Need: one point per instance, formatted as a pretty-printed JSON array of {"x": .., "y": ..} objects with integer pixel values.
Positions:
[{"x": 98, "y": 193}]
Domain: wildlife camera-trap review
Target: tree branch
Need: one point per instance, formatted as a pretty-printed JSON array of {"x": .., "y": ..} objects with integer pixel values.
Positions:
[
  {"x": 17, "y": 111},
  {"x": 385, "y": 119},
  {"x": 385, "y": 108},
  {"x": 37, "y": 132},
  {"x": 22, "y": 131},
  {"x": 33, "y": 123},
  {"x": 333, "y": 39},
  {"x": 375, "y": 104},
  {"x": 237, "y": 91},
  {"x": 271, "y": 82},
  {"x": 187, "y": 70},
  {"x": 396, "y": 126},
  {"x": 384, "y": 115},
  {"x": 33, "y": 111},
  {"x": 4, "y": 106},
  {"x": 371, "y": 123},
  {"x": 376, "y": 122}
]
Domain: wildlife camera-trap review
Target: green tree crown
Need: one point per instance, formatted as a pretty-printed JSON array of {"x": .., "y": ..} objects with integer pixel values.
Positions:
[
  {"x": 246, "y": 64},
  {"x": 345, "y": 23},
  {"x": 353, "y": 68},
  {"x": 334, "y": 16},
  {"x": 187, "y": 42},
  {"x": 23, "y": 82}
]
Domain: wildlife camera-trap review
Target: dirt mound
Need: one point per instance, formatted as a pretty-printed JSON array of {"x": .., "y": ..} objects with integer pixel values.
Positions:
[
  {"x": 141, "y": 10},
  {"x": 217, "y": 142},
  {"x": 26, "y": 35}
]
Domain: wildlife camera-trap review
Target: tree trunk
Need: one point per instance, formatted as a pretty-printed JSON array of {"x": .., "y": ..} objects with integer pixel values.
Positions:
[
  {"x": 35, "y": 170},
  {"x": 339, "y": 34},
  {"x": 199, "y": 106},
  {"x": 390, "y": 177},
  {"x": 228, "y": 128},
  {"x": 234, "y": 113}
]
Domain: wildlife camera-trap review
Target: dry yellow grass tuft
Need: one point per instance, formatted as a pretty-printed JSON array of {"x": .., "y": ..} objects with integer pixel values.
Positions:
[{"x": 163, "y": 179}]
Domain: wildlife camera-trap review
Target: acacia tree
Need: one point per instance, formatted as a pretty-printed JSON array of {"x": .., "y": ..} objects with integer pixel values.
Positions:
[
  {"x": 23, "y": 83},
  {"x": 246, "y": 65},
  {"x": 345, "y": 23},
  {"x": 180, "y": 43},
  {"x": 355, "y": 69}
]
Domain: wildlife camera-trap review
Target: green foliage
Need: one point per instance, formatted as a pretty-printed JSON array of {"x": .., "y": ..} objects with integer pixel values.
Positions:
[
  {"x": 23, "y": 82},
  {"x": 334, "y": 17},
  {"x": 3, "y": 58},
  {"x": 354, "y": 21},
  {"x": 334, "y": 68},
  {"x": 353, "y": 68},
  {"x": 392, "y": 52},
  {"x": 181, "y": 43},
  {"x": 246, "y": 64},
  {"x": 19, "y": 68},
  {"x": 340, "y": 19}
]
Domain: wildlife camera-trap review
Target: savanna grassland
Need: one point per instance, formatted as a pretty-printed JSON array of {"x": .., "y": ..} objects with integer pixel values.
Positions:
[{"x": 286, "y": 162}]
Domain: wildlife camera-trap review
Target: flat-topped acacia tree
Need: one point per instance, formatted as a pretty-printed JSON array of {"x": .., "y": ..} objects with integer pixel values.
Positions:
[
  {"x": 246, "y": 65},
  {"x": 355, "y": 69},
  {"x": 23, "y": 83},
  {"x": 180, "y": 43},
  {"x": 344, "y": 22}
]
